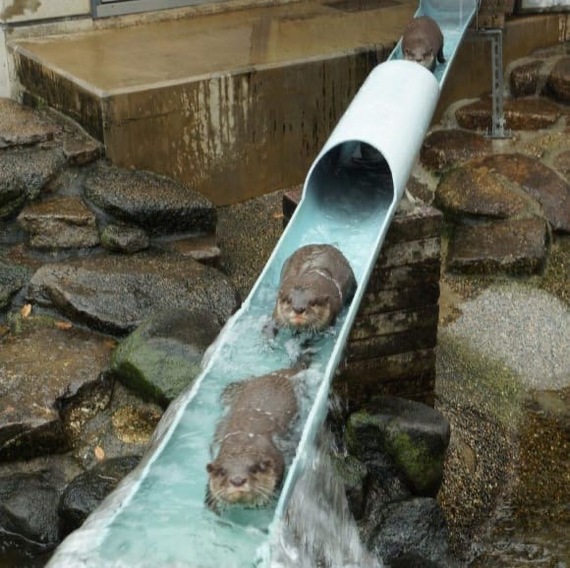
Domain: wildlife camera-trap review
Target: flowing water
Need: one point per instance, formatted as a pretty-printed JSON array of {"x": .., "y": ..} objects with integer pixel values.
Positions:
[{"x": 318, "y": 529}]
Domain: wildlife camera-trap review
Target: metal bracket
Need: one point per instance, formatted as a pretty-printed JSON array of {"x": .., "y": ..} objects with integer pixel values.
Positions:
[{"x": 498, "y": 116}]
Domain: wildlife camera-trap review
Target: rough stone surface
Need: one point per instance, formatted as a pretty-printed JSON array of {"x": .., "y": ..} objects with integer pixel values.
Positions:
[
  {"x": 128, "y": 239},
  {"x": 61, "y": 222},
  {"x": 443, "y": 149},
  {"x": 558, "y": 83},
  {"x": 163, "y": 355},
  {"x": 514, "y": 246},
  {"x": 12, "y": 279},
  {"x": 475, "y": 189},
  {"x": 524, "y": 79},
  {"x": 21, "y": 126},
  {"x": 23, "y": 175},
  {"x": 41, "y": 365},
  {"x": 412, "y": 534},
  {"x": 538, "y": 181},
  {"x": 202, "y": 249},
  {"x": 88, "y": 489},
  {"x": 28, "y": 509},
  {"x": 532, "y": 113},
  {"x": 158, "y": 204},
  {"x": 414, "y": 435},
  {"x": 116, "y": 293}
]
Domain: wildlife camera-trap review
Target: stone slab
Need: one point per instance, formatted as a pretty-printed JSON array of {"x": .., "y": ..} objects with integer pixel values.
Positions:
[{"x": 511, "y": 246}]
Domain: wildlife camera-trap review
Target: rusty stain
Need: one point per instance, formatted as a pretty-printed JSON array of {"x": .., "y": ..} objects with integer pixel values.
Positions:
[{"x": 19, "y": 8}]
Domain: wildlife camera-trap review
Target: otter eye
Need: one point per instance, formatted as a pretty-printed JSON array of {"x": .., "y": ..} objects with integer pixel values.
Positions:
[{"x": 256, "y": 468}]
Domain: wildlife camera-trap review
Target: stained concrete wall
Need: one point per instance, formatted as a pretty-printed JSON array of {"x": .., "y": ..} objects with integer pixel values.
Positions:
[{"x": 233, "y": 137}]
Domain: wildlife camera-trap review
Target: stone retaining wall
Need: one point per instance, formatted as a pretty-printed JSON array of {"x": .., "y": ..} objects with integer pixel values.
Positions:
[{"x": 391, "y": 349}]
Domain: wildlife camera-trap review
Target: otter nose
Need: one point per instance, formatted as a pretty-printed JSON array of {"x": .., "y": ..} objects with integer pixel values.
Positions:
[
  {"x": 298, "y": 310},
  {"x": 238, "y": 481}
]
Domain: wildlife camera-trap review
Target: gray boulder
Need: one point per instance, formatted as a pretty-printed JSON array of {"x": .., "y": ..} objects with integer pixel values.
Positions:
[
  {"x": 120, "y": 237},
  {"x": 13, "y": 277},
  {"x": 115, "y": 293},
  {"x": 162, "y": 356},
  {"x": 414, "y": 435},
  {"x": 40, "y": 366},
  {"x": 88, "y": 489},
  {"x": 23, "y": 175},
  {"x": 159, "y": 204},
  {"x": 412, "y": 534},
  {"x": 28, "y": 509}
]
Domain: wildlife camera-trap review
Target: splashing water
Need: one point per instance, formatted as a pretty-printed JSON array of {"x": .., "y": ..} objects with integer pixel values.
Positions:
[{"x": 318, "y": 529}]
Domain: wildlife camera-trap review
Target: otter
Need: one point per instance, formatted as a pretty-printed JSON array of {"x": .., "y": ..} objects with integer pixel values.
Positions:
[
  {"x": 249, "y": 468},
  {"x": 422, "y": 42},
  {"x": 316, "y": 282}
]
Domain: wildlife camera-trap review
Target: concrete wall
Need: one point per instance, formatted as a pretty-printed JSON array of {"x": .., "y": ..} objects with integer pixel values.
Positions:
[{"x": 30, "y": 16}]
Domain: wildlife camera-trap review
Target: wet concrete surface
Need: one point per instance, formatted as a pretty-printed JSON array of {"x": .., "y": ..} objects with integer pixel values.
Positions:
[{"x": 120, "y": 59}]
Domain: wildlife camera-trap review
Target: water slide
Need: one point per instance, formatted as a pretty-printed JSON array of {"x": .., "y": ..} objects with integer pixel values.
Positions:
[{"x": 157, "y": 516}]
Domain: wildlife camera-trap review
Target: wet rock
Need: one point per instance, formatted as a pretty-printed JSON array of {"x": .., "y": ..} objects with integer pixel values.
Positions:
[
  {"x": 23, "y": 175},
  {"x": 87, "y": 490},
  {"x": 108, "y": 424},
  {"x": 12, "y": 279},
  {"x": 22, "y": 126},
  {"x": 475, "y": 189},
  {"x": 412, "y": 534},
  {"x": 202, "y": 249},
  {"x": 28, "y": 509},
  {"x": 443, "y": 149},
  {"x": 558, "y": 82},
  {"x": 538, "y": 181},
  {"x": 524, "y": 79},
  {"x": 163, "y": 355},
  {"x": 514, "y": 246},
  {"x": 115, "y": 293},
  {"x": 413, "y": 435},
  {"x": 41, "y": 365},
  {"x": 80, "y": 149},
  {"x": 532, "y": 113},
  {"x": 562, "y": 164},
  {"x": 158, "y": 204},
  {"x": 120, "y": 237},
  {"x": 61, "y": 222}
]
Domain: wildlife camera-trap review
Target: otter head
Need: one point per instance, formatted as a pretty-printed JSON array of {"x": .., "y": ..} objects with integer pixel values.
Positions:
[
  {"x": 243, "y": 479},
  {"x": 303, "y": 309},
  {"x": 421, "y": 54}
]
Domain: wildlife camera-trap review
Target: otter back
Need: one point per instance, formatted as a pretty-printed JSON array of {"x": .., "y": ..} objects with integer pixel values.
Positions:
[{"x": 249, "y": 467}]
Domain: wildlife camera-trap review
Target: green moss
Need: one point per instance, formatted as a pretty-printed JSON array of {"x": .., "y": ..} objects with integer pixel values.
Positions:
[
  {"x": 421, "y": 467},
  {"x": 487, "y": 384}
]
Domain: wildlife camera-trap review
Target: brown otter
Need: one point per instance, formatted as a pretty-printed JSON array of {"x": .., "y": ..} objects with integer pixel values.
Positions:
[
  {"x": 316, "y": 282},
  {"x": 422, "y": 42},
  {"x": 249, "y": 467}
]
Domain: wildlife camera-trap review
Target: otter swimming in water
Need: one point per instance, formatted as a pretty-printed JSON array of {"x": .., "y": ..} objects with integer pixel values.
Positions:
[
  {"x": 249, "y": 467},
  {"x": 422, "y": 42},
  {"x": 316, "y": 282}
]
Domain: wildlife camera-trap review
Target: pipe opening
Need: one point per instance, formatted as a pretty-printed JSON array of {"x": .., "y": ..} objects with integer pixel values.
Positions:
[{"x": 351, "y": 178}]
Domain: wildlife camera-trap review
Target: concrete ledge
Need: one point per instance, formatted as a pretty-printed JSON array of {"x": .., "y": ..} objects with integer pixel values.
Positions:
[{"x": 233, "y": 104}]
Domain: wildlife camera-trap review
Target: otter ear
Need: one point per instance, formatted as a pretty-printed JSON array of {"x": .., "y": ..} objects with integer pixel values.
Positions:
[
  {"x": 209, "y": 468},
  {"x": 267, "y": 464}
]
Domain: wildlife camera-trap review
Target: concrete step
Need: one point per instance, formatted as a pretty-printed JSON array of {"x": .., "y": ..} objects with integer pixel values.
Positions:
[{"x": 233, "y": 104}]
